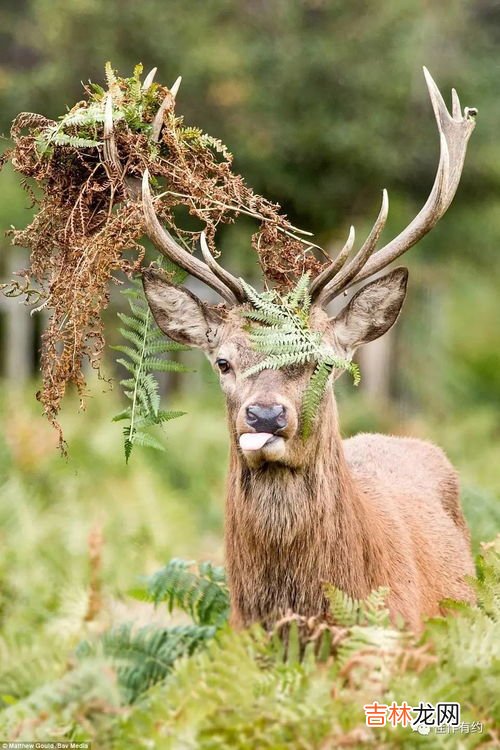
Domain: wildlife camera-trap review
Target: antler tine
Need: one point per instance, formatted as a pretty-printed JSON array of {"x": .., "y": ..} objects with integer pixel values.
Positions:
[
  {"x": 227, "y": 278},
  {"x": 454, "y": 133},
  {"x": 345, "y": 276},
  {"x": 109, "y": 146},
  {"x": 149, "y": 79},
  {"x": 166, "y": 244},
  {"x": 166, "y": 103},
  {"x": 329, "y": 272}
]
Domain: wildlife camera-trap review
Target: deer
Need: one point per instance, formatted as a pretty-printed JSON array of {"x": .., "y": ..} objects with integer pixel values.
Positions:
[{"x": 367, "y": 512}]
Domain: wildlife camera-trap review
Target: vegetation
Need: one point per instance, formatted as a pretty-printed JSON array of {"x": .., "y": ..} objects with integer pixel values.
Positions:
[
  {"x": 94, "y": 643},
  {"x": 323, "y": 105},
  {"x": 142, "y": 359},
  {"x": 87, "y": 167}
]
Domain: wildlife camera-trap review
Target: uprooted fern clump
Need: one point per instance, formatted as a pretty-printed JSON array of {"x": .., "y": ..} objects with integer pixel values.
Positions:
[
  {"x": 285, "y": 338},
  {"x": 88, "y": 224}
]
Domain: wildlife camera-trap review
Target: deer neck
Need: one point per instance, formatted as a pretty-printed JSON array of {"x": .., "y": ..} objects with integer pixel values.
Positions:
[{"x": 290, "y": 530}]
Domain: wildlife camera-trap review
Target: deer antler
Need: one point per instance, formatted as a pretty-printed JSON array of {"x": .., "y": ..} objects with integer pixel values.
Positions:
[
  {"x": 454, "y": 133},
  {"x": 211, "y": 273}
]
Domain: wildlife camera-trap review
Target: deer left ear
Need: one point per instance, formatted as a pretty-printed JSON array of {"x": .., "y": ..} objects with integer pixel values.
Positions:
[
  {"x": 179, "y": 313},
  {"x": 372, "y": 311}
]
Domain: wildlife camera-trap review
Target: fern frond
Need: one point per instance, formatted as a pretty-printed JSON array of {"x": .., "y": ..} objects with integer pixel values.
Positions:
[
  {"x": 286, "y": 339},
  {"x": 132, "y": 322},
  {"x": 263, "y": 303},
  {"x": 201, "y": 593},
  {"x": 217, "y": 145},
  {"x": 125, "y": 414},
  {"x": 374, "y": 610},
  {"x": 343, "y": 609},
  {"x": 166, "y": 416},
  {"x": 145, "y": 440},
  {"x": 90, "y": 115},
  {"x": 164, "y": 347},
  {"x": 63, "y": 139},
  {"x": 110, "y": 74},
  {"x": 263, "y": 316},
  {"x": 313, "y": 396},
  {"x": 299, "y": 296},
  {"x": 142, "y": 362},
  {"x": 132, "y": 354},
  {"x": 164, "y": 365},
  {"x": 138, "y": 71},
  {"x": 144, "y": 656}
]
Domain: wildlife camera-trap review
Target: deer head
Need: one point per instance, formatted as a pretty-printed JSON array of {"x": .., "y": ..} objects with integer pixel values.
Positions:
[{"x": 264, "y": 409}]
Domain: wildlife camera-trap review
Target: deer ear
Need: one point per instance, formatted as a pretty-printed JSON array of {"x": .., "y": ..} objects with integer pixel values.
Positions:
[
  {"x": 179, "y": 313},
  {"x": 372, "y": 311}
]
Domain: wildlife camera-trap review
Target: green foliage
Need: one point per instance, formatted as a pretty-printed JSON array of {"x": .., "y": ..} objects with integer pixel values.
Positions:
[
  {"x": 170, "y": 684},
  {"x": 68, "y": 703},
  {"x": 370, "y": 611},
  {"x": 130, "y": 103},
  {"x": 285, "y": 339},
  {"x": 201, "y": 593},
  {"x": 235, "y": 696},
  {"x": 142, "y": 361},
  {"x": 240, "y": 692},
  {"x": 144, "y": 656},
  {"x": 197, "y": 139},
  {"x": 319, "y": 166}
]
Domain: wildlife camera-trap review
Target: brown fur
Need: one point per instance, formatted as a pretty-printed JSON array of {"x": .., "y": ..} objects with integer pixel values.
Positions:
[
  {"x": 366, "y": 512},
  {"x": 360, "y": 513}
]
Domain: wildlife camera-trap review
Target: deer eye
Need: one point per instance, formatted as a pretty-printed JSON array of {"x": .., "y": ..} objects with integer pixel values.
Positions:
[{"x": 223, "y": 365}]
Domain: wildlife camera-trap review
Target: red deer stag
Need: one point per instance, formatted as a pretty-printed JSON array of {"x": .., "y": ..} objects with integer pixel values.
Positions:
[{"x": 361, "y": 513}]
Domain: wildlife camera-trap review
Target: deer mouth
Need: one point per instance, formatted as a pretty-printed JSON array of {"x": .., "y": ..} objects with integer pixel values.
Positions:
[
  {"x": 255, "y": 441},
  {"x": 262, "y": 447}
]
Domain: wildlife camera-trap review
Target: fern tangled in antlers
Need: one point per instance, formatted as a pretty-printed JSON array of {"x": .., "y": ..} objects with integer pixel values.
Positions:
[
  {"x": 284, "y": 337},
  {"x": 88, "y": 216}
]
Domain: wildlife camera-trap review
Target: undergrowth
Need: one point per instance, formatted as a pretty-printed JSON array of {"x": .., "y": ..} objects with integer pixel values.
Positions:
[{"x": 203, "y": 685}]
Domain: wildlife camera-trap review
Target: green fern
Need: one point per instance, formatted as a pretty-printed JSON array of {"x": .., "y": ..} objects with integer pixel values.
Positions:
[
  {"x": 347, "y": 612},
  {"x": 92, "y": 114},
  {"x": 81, "y": 127},
  {"x": 63, "y": 139},
  {"x": 285, "y": 338},
  {"x": 195, "y": 138},
  {"x": 202, "y": 593},
  {"x": 208, "y": 686},
  {"x": 145, "y": 656},
  {"x": 110, "y": 74},
  {"x": 141, "y": 359},
  {"x": 63, "y": 700}
]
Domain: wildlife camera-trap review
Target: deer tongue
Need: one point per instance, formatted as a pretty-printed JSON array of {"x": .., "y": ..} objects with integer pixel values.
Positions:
[{"x": 254, "y": 441}]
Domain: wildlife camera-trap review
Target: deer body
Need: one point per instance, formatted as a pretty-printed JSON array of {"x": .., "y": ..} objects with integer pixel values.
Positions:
[
  {"x": 359, "y": 515},
  {"x": 303, "y": 512}
]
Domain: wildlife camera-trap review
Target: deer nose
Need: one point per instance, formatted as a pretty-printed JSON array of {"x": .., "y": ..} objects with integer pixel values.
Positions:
[{"x": 266, "y": 418}]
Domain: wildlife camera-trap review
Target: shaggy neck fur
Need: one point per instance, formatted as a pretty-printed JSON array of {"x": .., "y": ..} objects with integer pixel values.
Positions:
[{"x": 288, "y": 531}]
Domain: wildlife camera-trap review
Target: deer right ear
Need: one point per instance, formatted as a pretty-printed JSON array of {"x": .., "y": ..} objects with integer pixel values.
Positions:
[
  {"x": 372, "y": 311},
  {"x": 179, "y": 313}
]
